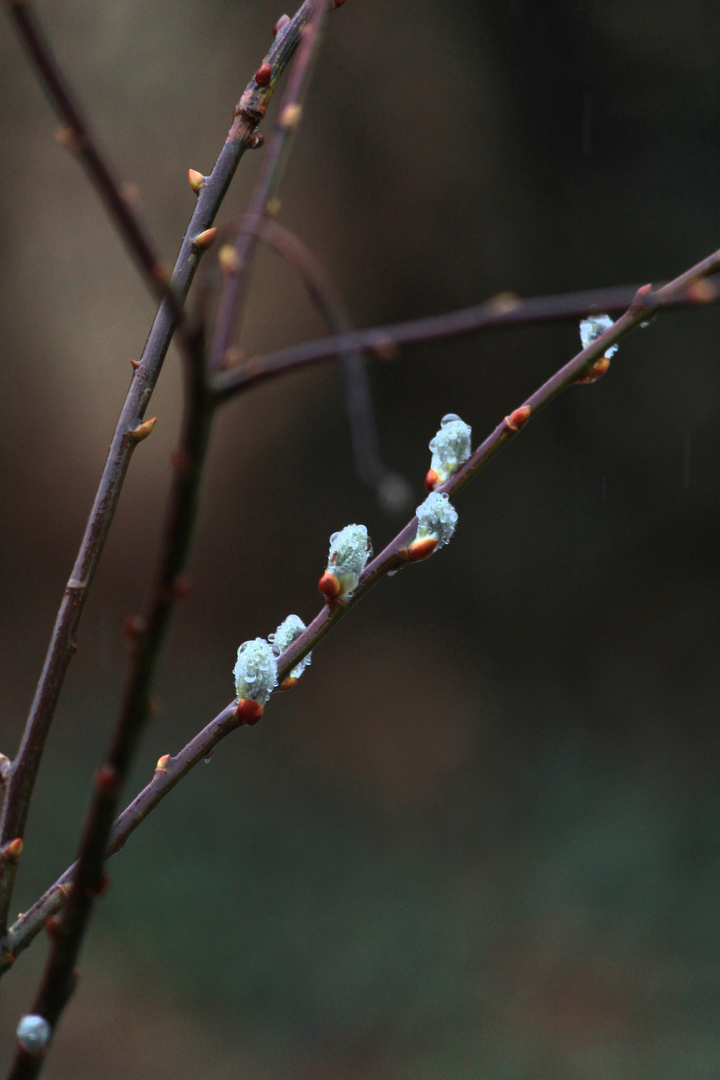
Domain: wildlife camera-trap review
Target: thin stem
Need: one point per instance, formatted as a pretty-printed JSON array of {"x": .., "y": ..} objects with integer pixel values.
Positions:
[
  {"x": 237, "y": 269},
  {"x": 392, "y": 488},
  {"x": 390, "y": 342},
  {"x": 170, "y": 770},
  {"x": 248, "y": 113},
  {"x": 78, "y": 138}
]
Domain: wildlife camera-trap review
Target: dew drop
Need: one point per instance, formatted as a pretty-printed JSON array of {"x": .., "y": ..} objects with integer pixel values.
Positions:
[
  {"x": 208, "y": 758},
  {"x": 449, "y": 418}
]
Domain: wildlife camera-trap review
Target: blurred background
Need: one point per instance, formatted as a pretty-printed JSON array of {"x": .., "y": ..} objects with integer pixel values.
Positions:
[{"x": 481, "y": 838}]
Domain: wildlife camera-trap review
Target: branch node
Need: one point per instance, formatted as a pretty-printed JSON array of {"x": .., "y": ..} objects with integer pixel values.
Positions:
[
  {"x": 144, "y": 429},
  {"x": 196, "y": 180},
  {"x": 248, "y": 711},
  {"x": 596, "y": 372},
  {"x": 11, "y": 852},
  {"x": 163, "y": 762},
  {"x": 263, "y": 75},
  {"x": 519, "y": 417},
  {"x": 70, "y": 139},
  {"x": 205, "y": 239}
]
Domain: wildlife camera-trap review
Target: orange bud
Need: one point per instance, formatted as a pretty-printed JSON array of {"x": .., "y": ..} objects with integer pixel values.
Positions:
[
  {"x": 329, "y": 586},
  {"x": 248, "y": 711},
  {"x": 421, "y": 549},
  {"x": 596, "y": 371},
  {"x": 431, "y": 480},
  {"x": 518, "y": 417}
]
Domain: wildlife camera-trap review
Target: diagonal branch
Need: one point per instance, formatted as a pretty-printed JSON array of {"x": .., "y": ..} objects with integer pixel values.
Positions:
[
  {"x": 129, "y": 431},
  {"x": 170, "y": 770},
  {"x": 503, "y": 311},
  {"x": 237, "y": 268},
  {"x": 78, "y": 138}
]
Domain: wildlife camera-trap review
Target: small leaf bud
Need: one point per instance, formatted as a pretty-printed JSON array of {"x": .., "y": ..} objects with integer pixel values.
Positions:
[
  {"x": 287, "y": 631},
  {"x": 350, "y": 550},
  {"x": 263, "y": 75},
  {"x": 591, "y": 329},
  {"x": 437, "y": 518},
  {"x": 205, "y": 239},
  {"x": 144, "y": 429},
  {"x": 450, "y": 449},
  {"x": 255, "y": 672},
  {"x": 33, "y": 1035},
  {"x": 196, "y": 180}
]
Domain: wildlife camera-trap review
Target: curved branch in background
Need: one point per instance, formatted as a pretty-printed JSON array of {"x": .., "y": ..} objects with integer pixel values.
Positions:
[
  {"x": 129, "y": 431},
  {"x": 393, "y": 490},
  {"x": 501, "y": 312},
  {"x": 170, "y": 770}
]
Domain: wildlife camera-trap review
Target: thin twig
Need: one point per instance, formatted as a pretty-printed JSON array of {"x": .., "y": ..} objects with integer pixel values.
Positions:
[
  {"x": 170, "y": 770},
  {"x": 392, "y": 488},
  {"x": 130, "y": 428},
  {"x": 237, "y": 270},
  {"x": 501, "y": 312},
  {"x": 77, "y": 137}
]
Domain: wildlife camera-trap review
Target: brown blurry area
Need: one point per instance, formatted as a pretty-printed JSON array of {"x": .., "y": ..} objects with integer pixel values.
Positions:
[{"x": 481, "y": 837}]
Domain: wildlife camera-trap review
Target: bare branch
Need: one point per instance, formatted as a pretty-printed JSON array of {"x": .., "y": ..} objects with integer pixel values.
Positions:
[
  {"x": 237, "y": 269},
  {"x": 501, "y": 312}
]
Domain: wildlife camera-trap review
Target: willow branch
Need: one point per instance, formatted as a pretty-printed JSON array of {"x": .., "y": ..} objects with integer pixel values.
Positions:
[
  {"x": 129, "y": 430},
  {"x": 501, "y": 312},
  {"x": 170, "y": 770},
  {"x": 77, "y": 137},
  {"x": 237, "y": 269}
]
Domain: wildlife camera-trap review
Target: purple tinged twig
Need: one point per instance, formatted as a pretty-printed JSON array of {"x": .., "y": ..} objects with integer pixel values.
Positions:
[
  {"x": 145, "y": 636},
  {"x": 501, "y": 312},
  {"x": 170, "y": 770},
  {"x": 237, "y": 269},
  {"x": 77, "y": 138},
  {"x": 130, "y": 429},
  {"x": 392, "y": 489}
]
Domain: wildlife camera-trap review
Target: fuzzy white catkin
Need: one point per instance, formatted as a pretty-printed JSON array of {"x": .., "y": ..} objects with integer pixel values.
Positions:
[
  {"x": 289, "y": 629},
  {"x": 591, "y": 329},
  {"x": 437, "y": 518},
  {"x": 255, "y": 671},
  {"x": 350, "y": 550},
  {"x": 451, "y": 446},
  {"x": 33, "y": 1034}
]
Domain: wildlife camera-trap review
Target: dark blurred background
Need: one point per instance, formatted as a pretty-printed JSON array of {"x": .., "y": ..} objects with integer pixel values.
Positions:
[{"x": 481, "y": 837}]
